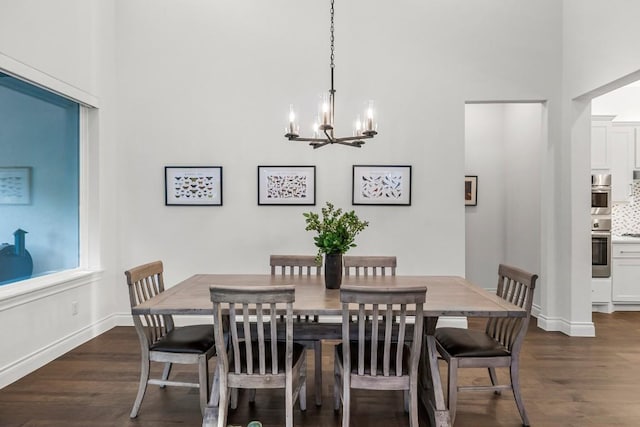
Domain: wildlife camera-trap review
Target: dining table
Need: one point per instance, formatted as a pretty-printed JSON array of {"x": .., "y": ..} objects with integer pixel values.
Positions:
[{"x": 446, "y": 296}]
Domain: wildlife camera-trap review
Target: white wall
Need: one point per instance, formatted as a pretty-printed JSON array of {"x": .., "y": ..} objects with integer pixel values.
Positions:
[
  {"x": 503, "y": 143},
  {"x": 624, "y": 103},
  {"x": 66, "y": 45}
]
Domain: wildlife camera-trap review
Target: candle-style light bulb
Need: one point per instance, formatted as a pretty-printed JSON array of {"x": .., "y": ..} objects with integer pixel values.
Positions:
[
  {"x": 357, "y": 127},
  {"x": 369, "y": 123},
  {"x": 326, "y": 113},
  {"x": 316, "y": 129},
  {"x": 293, "y": 126}
]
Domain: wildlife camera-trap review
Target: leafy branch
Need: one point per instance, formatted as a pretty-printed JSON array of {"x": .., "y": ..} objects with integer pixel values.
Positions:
[{"x": 336, "y": 230}]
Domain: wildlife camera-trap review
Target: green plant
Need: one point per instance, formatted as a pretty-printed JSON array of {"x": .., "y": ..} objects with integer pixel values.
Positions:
[{"x": 336, "y": 230}]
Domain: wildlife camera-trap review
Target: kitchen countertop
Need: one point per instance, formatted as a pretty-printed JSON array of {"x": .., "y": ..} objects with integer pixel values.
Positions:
[{"x": 624, "y": 239}]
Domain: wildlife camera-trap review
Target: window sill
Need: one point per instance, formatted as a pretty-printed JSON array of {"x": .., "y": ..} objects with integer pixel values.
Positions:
[{"x": 25, "y": 291}]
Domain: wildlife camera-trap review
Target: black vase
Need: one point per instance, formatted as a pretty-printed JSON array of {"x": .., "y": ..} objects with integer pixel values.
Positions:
[{"x": 333, "y": 271}]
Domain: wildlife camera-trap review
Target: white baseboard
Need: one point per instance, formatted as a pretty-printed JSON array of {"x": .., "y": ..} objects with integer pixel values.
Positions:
[
  {"x": 53, "y": 350},
  {"x": 573, "y": 329}
]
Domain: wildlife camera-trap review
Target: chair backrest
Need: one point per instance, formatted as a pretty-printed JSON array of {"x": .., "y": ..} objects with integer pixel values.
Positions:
[
  {"x": 145, "y": 281},
  {"x": 515, "y": 286},
  {"x": 300, "y": 265},
  {"x": 252, "y": 318},
  {"x": 382, "y": 318},
  {"x": 370, "y": 265}
]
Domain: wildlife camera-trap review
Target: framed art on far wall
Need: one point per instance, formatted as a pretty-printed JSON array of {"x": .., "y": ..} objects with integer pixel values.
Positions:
[
  {"x": 471, "y": 190},
  {"x": 381, "y": 185},
  {"x": 193, "y": 185},
  {"x": 286, "y": 185},
  {"x": 15, "y": 186}
]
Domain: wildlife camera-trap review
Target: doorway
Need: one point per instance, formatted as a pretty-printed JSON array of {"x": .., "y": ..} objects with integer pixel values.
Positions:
[{"x": 503, "y": 146}]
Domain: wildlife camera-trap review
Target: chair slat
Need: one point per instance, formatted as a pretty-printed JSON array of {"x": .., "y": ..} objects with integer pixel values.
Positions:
[
  {"x": 401, "y": 332},
  {"x": 374, "y": 340},
  {"x": 274, "y": 340},
  {"x": 361, "y": 338},
  {"x": 388, "y": 336}
]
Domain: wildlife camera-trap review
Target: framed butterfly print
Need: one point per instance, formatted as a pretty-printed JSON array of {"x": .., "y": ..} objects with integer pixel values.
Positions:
[
  {"x": 193, "y": 185},
  {"x": 381, "y": 185},
  {"x": 286, "y": 185}
]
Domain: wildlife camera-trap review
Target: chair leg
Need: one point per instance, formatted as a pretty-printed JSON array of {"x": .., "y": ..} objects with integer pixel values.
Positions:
[
  {"x": 214, "y": 399},
  {"x": 288, "y": 400},
  {"x": 223, "y": 404},
  {"x": 142, "y": 387},
  {"x": 405, "y": 398},
  {"x": 252, "y": 395},
  {"x": 317, "y": 358},
  {"x": 302, "y": 394},
  {"x": 515, "y": 385},
  {"x": 166, "y": 372},
  {"x": 452, "y": 388},
  {"x": 494, "y": 379},
  {"x": 337, "y": 384},
  {"x": 346, "y": 398},
  {"x": 203, "y": 381},
  {"x": 233, "y": 400},
  {"x": 413, "y": 402}
]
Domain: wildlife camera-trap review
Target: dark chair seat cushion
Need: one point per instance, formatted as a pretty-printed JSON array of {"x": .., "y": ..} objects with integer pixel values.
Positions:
[
  {"x": 298, "y": 352},
  {"x": 195, "y": 339},
  {"x": 406, "y": 356},
  {"x": 469, "y": 343}
]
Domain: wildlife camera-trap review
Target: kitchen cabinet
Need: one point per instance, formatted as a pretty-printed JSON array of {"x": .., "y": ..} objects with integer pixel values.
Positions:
[
  {"x": 615, "y": 149},
  {"x": 599, "y": 148},
  {"x": 601, "y": 290},
  {"x": 622, "y": 141},
  {"x": 625, "y": 273}
]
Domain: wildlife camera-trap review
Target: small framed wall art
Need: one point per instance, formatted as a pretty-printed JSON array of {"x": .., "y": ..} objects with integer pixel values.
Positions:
[
  {"x": 381, "y": 185},
  {"x": 193, "y": 185},
  {"x": 471, "y": 190},
  {"x": 286, "y": 185},
  {"x": 15, "y": 186}
]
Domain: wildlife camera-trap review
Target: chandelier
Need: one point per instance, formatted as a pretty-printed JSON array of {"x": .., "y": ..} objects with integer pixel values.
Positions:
[{"x": 365, "y": 129}]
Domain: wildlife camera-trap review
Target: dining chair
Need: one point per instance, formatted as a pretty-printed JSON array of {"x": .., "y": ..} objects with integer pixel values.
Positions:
[
  {"x": 369, "y": 265},
  {"x": 254, "y": 358},
  {"x": 161, "y": 341},
  {"x": 303, "y": 265},
  {"x": 498, "y": 345},
  {"x": 385, "y": 355}
]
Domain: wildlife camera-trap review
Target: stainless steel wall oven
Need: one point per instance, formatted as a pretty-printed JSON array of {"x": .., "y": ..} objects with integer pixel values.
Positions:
[
  {"x": 600, "y": 247},
  {"x": 600, "y": 194}
]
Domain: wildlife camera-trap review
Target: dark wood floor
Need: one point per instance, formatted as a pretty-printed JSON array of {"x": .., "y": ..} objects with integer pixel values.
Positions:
[{"x": 566, "y": 382}]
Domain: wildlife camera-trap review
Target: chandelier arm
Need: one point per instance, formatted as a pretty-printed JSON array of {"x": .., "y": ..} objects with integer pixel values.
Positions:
[
  {"x": 319, "y": 144},
  {"x": 357, "y": 144}
]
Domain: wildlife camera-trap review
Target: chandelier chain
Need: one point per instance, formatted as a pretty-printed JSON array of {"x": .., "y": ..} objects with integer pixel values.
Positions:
[{"x": 332, "y": 38}]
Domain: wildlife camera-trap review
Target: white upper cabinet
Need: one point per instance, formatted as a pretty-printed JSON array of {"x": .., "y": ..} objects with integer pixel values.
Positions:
[
  {"x": 599, "y": 147},
  {"x": 614, "y": 150},
  {"x": 622, "y": 160}
]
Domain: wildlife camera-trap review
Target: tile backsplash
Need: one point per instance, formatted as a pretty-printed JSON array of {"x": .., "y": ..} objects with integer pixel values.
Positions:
[{"x": 625, "y": 217}]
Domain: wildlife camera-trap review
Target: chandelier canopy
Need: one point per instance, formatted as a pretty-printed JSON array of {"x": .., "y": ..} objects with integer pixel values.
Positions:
[{"x": 363, "y": 129}]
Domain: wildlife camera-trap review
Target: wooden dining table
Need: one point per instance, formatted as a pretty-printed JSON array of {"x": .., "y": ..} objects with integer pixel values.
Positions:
[{"x": 446, "y": 296}]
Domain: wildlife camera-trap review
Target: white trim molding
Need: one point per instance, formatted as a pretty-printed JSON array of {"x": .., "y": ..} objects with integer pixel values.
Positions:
[
  {"x": 36, "y": 359},
  {"x": 572, "y": 329},
  {"x": 41, "y": 79}
]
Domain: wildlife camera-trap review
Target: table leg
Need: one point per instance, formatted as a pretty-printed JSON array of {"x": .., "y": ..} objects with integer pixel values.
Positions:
[
  {"x": 431, "y": 386},
  {"x": 210, "y": 418}
]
